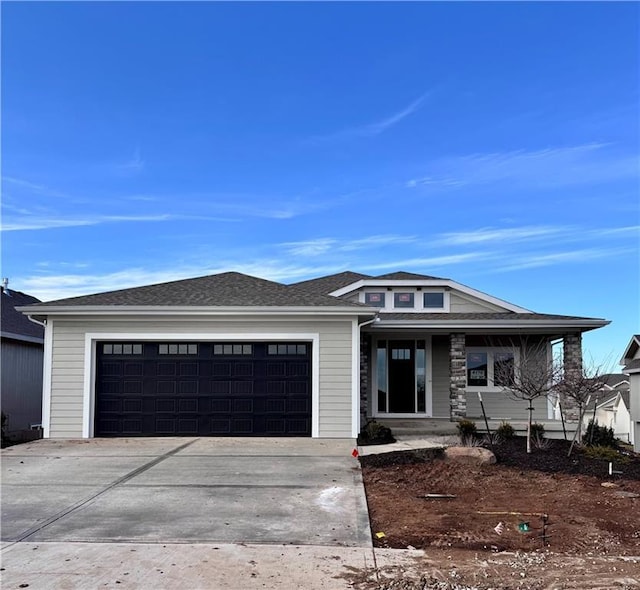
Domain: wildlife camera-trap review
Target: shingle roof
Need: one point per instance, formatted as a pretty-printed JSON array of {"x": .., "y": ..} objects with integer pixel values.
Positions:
[
  {"x": 220, "y": 290},
  {"x": 613, "y": 379},
  {"x": 332, "y": 282},
  {"x": 406, "y": 276},
  {"x": 14, "y": 322}
]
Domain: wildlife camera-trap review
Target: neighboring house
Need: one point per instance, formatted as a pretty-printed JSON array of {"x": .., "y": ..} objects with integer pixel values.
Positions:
[
  {"x": 610, "y": 406},
  {"x": 22, "y": 344},
  {"x": 631, "y": 362},
  {"x": 231, "y": 354}
]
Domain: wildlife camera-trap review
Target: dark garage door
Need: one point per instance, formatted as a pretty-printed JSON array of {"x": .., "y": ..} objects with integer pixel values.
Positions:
[{"x": 203, "y": 389}]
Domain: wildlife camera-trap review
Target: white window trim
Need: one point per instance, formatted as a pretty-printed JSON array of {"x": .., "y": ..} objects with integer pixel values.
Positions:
[
  {"x": 491, "y": 351},
  {"x": 91, "y": 338},
  {"x": 418, "y": 299}
]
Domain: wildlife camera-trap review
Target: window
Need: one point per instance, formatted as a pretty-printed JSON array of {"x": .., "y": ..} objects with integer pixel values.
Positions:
[
  {"x": 477, "y": 375},
  {"x": 490, "y": 367},
  {"x": 403, "y": 299},
  {"x": 374, "y": 299},
  {"x": 401, "y": 354},
  {"x": 122, "y": 348},
  {"x": 177, "y": 348},
  {"x": 433, "y": 300},
  {"x": 233, "y": 349},
  {"x": 287, "y": 349},
  {"x": 503, "y": 368}
]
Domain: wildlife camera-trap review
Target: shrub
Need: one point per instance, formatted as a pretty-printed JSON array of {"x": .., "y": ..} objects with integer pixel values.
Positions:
[
  {"x": 468, "y": 431},
  {"x": 605, "y": 453},
  {"x": 374, "y": 433},
  {"x": 537, "y": 431},
  {"x": 599, "y": 436},
  {"x": 505, "y": 430}
]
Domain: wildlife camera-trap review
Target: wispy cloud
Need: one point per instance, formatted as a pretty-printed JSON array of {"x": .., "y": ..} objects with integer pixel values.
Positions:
[
  {"x": 586, "y": 164},
  {"x": 32, "y": 187},
  {"x": 585, "y": 255},
  {"x": 321, "y": 246},
  {"x": 132, "y": 165},
  {"x": 504, "y": 235},
  {"x": 52, "y": 222},
  {"x": 376, "y": 127}
]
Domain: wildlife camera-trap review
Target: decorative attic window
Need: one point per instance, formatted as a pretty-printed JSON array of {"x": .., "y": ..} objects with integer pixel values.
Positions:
[
  {"x": 433, "y": 300},
  {"x": 374, "y": 299},
  {"x": 403, "y": 299}
]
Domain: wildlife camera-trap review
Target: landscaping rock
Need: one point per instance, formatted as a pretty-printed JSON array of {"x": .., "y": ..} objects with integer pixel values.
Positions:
[{"x": 470, "y": 455}]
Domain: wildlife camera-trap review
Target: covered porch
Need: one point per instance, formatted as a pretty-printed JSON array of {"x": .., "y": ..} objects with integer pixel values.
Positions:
[{"x": 423, "y": 382}]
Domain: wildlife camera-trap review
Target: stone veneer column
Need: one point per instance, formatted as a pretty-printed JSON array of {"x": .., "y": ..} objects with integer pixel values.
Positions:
[
  {"x": 457, "y": 376},
  {"x": 572, "y": 355},
  {"x": 365, "y": 353}
]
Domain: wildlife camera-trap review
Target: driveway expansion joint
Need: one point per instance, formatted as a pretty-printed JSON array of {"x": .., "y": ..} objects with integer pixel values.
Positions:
[{"x": 37, "y": 528}]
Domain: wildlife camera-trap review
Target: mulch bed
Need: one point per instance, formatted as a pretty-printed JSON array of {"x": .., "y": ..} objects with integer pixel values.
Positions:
[{"x": 513, "y": 452}]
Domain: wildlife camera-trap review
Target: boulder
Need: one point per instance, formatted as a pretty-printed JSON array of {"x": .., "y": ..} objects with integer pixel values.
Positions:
[{"x": 470, "y": 455}]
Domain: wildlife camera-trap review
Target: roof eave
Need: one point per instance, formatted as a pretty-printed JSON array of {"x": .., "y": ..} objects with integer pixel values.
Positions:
[
  {"x": 582, "y": 325},
  {"x": 154, "y": 310}
]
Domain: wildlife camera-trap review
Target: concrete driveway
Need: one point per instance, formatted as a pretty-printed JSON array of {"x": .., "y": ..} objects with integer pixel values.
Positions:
[{"x": 177, "y": 490}]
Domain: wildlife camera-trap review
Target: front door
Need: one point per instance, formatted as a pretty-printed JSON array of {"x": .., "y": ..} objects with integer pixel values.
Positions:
[
  {"x": 402, "y": 380},
  {"x": 401, "y": 377}
]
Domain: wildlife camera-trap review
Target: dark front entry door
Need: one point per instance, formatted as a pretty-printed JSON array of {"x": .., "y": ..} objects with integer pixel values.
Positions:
[{"x": 402, "y": 371}]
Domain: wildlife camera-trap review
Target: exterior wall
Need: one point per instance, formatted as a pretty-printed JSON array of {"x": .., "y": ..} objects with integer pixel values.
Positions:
[
  {"x": 440, "y": 376},
  {"x": 499, "y": 406},
  {"x": 335, "y": 364},
  {"x": 21, "y": 384},
  {"x": 634, "y": 395},
  {"x": 467, "y": 304}
]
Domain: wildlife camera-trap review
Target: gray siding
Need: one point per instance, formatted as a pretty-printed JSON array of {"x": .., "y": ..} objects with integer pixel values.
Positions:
[
  {"x": 440, "y": 379},
  {"x": 467, "y": 304},
  {"x": 21, "y": 384},
  {"x": 499, "y": 406},
  {"x": 68, "y": 362}
]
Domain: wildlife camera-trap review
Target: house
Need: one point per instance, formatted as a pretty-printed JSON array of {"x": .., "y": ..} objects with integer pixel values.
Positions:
[
  {"x": 610, "y": 406},
  {"x": 631, "y": 362},
  {"x": 231, "y": 354},
  {"x": 21, "y": 354}
]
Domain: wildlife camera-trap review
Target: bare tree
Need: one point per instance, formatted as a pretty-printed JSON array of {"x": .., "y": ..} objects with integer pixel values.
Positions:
[
  {"x": 578, "y": 384},
  {"x": 526, "y": 372}
]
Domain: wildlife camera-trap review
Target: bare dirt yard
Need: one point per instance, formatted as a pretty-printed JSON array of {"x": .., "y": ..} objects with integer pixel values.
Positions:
[{"x": 542, "y": 520}]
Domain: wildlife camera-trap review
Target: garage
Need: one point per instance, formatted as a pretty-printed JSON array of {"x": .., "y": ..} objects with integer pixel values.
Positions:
[{"x": 203, "y": 388}]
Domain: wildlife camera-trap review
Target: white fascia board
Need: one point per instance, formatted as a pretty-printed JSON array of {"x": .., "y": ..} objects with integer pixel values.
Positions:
[
  {"x": 142, "y": 310},
  {"x": 431, "y": 283},
  {"x": 631, "y": 350},
  {"x": 474, "y": 324}
]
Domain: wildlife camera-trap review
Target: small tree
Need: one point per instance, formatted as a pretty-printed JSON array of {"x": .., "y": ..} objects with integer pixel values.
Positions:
[
  {"x": 530, "y": 374},
  {"x": 579, "y": 384}
]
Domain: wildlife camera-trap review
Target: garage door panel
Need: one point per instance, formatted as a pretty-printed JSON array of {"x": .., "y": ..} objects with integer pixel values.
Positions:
[{"x": 237, "y": 389}]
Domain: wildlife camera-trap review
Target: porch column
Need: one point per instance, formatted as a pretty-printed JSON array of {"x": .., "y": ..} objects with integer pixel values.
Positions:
[
  {"x": 457, "y": 377},
  {"x": 572, "y": 360},
  {"x": 365, "y": 354}
]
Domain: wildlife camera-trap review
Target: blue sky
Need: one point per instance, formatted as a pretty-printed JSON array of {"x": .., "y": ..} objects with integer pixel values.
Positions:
[{"x": 492, "y": 143}]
